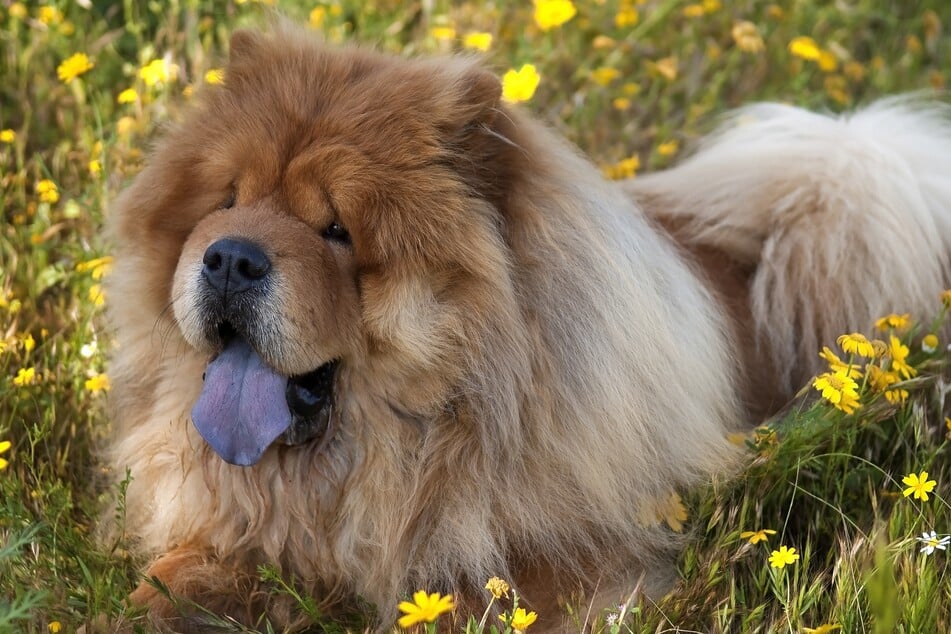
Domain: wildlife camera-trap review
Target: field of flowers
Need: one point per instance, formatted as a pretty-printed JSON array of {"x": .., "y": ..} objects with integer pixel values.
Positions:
[{"x": 841, "y": 520}]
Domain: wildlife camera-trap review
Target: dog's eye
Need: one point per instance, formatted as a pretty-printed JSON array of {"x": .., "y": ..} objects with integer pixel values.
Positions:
[
  {"x": 230, "y": 201},
  {"x": 337, "y": 233}
]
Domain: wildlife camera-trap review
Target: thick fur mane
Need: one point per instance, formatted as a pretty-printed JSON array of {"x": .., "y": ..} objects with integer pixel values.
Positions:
[{"x": 525, "y": 407}]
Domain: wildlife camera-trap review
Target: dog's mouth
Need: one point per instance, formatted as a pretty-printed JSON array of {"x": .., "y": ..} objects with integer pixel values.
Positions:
[{"x": 245, "y": 406}]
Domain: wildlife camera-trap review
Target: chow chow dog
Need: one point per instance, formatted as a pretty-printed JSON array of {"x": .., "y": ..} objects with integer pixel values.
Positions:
[{"x": 385, "y": 332}]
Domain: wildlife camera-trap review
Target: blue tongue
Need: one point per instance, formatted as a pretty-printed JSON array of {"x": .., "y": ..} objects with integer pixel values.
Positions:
[{"x": 243, "y": 405}]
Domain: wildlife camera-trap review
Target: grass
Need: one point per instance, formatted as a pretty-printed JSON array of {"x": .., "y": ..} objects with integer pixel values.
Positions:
[{"x": 631, "y": 90}]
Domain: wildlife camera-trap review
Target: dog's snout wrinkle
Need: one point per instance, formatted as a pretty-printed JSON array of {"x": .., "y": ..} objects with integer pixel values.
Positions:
[{"x": 234, "y": 266}]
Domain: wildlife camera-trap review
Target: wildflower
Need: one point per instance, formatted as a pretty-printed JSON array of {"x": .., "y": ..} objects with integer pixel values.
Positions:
[
  {"x": 631, "y": 88},
  {"x": 783, "y": 557},
  {"x": 425, "y": 608},
  {"x": 47, "y": 191},
  {"x": 519, "y": 85},
  {"x": 498, "y": 587},
  {"x": 931, "y": 542},
  {"x": 893, "y": 322},
  {"x": 918, "y": 485},
  {"x": 854, "y": 71},
  {"x": 95, "y": 167},
  {"x": 879, "y": 379},
  {"x": 50, "y": 16},
  {"x": 711, "y": 6},
  {"x": 825, "y": 628},
  {"x": 158, "y": 71},
  {"x": 215, "y": 76},
  {"x": 8, "y": 136},
  {"x": 856, "y": 343},
  {"x": 125, "y": 125},
  {"x": 520, "y": 620},
  {"x": 668, "y": 149},
  {"x": 98, "y": 383},
  {"x": 621, "y": 103},
  {"x": 553, "y": 13},
  {"x": 54, "y": 627},
  {"x": 837, "y": 388},
  {"x": 4, "y": 447},
  {"x": 443, "y": 33},
  {"x": 625, "y": 168},
  {"x": 666, "y": 67},
  {"x": 946, "y": 298},
  {"x": 74, "y": 66},
  {"x": 897, "y": 396},
  {"x": 28, "y": 342},
  {"x": 17, "y": 10},
  {"x": 626, "y": 16},
  {"x": 25, "y": 376},
  {"x": 747, "y": 37},
  {"x": 316, "y": 17},
  {"x": 605, "y": 75},
  {"x": 97, "y": 268},
  {"x": 756, "y": 537},
  {"x": 478, "y": 41},
  {"x": 96, "y": 295},
  {"x": 929, "y": 343},
  {"x": 804, "y": 47},
  {"x": 693, "y": 11},
  {"x": 827, "y": 61},
  {"x": 673, "y": 512},
  {"x": 837, "y": 365},
  {"x": 899, "y": 353}
]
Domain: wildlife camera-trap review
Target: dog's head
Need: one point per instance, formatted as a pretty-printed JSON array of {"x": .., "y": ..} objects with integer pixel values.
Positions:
[{"x": 324, "y": 218}]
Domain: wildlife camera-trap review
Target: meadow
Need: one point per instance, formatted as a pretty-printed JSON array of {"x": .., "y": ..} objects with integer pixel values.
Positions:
[{"x": 839, "y": 522}]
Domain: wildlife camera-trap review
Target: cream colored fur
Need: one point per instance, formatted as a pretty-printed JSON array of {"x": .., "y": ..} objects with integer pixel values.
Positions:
[{"x": 845, "y": 218}]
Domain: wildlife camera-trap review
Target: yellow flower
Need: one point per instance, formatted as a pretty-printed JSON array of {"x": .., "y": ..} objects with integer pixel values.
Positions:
[
  {"x": 4, "y": 447},
  {"x": 625, "y": 168},
  {"x": 443, "y": 33},
  {"x": 626, "y": 16},
  {"x": 553, "y": 13},
  {"x": 95, "y": 167},
  {"x": 47, "y": 191},
  {"x": 425, "y": 608},
  {"x": 783, "y": 557},
  {"x": 54, "y": 627},
  {"x": 215, "y": 76},
  {"x": 896, "y": 396},
  {"x": 747, "y": 37},
  {"x": 605, "y": 75},
  {"x": 519, "y": 85},
  {"x": 918, "y": 485},
  {"x": 856, "y": 343},
  {"x": 879, "y": 379},
  {"x": 158, "y": 71},
  {"x": 98, "y": 268},
  {"x": 17, "y": 10},
  {"x": 478, "y": 41},
  {"x": 316, "y": 17},
  {"x": 929, "y": 343},
  {"x": 899, "y": 353},
  {"x": 498, "y": 587},
  {"x": 621, "y": 103},
  {"x": 73, "y": 67},
  {"x": 893, "y": 322},
  {"x": 125, "y": 125},
  {"x": 946, "y": 298},
  {"x": 668, "y": 149},
  {"x": 25, "y": 376},
  {"x": 666, "y": 67},
  {"x": 693, "y": 11},
  {"x": 28, "y": 342},
  {"x": 836, "y": 386},
  {"x": 96, "y": 295},
  {"x": 827, "y": 61},
  {"x": 98, "y": 383},
  {"x": 825, "y": 628},
  {"x": 755, "y": 537},
  {"x": 711, "y": 6},
  {"x": 520, "y": 620},
  {"x": 837, "y": 365},
  {"x": 49, "y": 16},
  {"x": 8, "y": 136},
  {"x": 804, "y": 47}
]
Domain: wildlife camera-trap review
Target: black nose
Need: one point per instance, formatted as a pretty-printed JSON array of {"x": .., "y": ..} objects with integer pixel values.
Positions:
[{"x": 234, "y": 266}]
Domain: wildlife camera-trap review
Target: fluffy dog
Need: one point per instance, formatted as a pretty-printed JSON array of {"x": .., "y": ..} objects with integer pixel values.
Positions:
[{"x": 386, "y": 333}]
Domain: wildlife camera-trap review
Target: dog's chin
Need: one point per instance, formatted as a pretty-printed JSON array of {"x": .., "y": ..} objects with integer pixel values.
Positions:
[{"x": 246, "y": 406}]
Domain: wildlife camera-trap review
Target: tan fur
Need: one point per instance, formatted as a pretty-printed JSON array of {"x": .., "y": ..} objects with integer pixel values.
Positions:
[{"x": 527, "y": 365}]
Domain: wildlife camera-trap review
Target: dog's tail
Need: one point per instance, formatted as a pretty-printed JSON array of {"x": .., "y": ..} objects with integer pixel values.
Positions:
[{"x": 840, "y": 219}]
